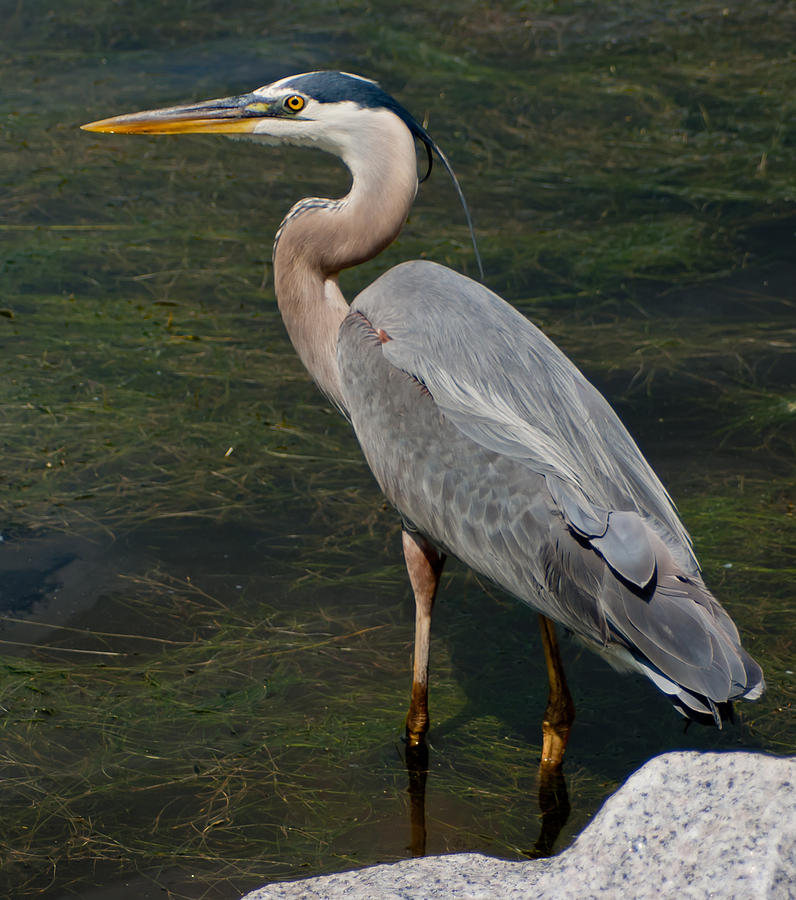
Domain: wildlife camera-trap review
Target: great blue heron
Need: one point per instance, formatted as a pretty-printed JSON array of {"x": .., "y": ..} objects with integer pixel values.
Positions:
[{"x": 488, "y": 441}]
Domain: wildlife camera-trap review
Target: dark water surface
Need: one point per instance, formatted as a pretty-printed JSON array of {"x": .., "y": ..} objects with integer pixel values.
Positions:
[{"x": 205, "y": 627}]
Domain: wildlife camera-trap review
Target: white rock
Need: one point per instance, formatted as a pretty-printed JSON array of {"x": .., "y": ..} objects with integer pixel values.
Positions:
[{"x": 686, "y": 825}]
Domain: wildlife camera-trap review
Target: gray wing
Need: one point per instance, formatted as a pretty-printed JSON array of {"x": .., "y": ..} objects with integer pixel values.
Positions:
[
  {"x": 507, "y": 387},
  {"x": 487, "y": 439}
]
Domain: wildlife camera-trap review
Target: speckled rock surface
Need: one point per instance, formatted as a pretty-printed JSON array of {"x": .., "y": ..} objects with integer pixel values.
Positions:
[{"x": 686, "y": 825}]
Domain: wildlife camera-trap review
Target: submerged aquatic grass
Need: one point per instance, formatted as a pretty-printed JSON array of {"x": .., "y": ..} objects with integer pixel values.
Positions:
[
  {"x": 229, "y": 709},
  {"x": 227, "y": 745}
]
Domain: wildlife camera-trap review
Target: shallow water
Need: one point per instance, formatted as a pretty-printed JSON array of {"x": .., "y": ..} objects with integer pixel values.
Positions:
[{"x": 206, "y": 630}]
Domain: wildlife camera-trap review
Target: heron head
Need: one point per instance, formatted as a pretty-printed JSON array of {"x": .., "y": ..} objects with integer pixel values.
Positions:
[
  {"x": 321, "y": 109},
  {"x": 333, "y": 111}
]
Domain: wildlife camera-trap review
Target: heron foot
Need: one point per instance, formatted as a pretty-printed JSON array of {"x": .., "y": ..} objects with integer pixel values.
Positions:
[
  {"x": 556, "y": 726},
  {"x": 554, "y": 743},
  {"x": 415, "y": 738},
  {"x": 417, "y": 720}
]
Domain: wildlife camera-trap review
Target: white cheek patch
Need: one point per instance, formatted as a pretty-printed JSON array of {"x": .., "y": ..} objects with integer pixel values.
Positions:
[
  {"x": 329, "y": 126},
  {"x": 281, "y": 129},
  {"x": 353, "y": 133}
]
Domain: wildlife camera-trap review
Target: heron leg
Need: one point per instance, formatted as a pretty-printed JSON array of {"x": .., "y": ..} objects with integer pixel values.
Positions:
[
  {"x": 424, "y": 564},
  {"x": 560, "y": 712}
]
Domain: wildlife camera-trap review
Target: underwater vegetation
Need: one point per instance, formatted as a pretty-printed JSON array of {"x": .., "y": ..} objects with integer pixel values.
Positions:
[{"x": 206, "y": 629}]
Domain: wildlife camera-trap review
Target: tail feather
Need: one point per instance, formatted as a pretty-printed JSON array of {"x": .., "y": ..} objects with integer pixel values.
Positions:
[
  {"x": 681, "y": 638},
  {"x": 696, "y": 707},
  {"x": 755, "y": 683}
]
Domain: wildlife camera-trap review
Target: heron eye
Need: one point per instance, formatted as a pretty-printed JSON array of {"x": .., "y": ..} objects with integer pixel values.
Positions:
[{"x": 295, "y": 103}]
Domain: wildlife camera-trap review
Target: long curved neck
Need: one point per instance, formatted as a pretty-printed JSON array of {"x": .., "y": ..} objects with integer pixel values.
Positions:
[{"x": 319, "y": 238}]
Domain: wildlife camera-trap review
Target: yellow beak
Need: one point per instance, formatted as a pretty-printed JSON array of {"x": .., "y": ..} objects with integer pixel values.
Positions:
[{"x": 230, "y": 115}]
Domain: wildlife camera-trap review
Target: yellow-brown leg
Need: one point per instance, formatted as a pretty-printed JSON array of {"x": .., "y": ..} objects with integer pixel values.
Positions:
[
  {"x": 424, "y": 565},
  {"x": 560, "y": 712}
]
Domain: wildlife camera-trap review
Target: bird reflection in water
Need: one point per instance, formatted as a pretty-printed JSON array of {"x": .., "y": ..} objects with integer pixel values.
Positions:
[
  {"x": 553, "y": 803},
  {"x": 417, "y": 769}
]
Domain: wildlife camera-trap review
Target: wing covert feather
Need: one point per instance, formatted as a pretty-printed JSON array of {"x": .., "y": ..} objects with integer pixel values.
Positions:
[{"x": 507, "y": 387}]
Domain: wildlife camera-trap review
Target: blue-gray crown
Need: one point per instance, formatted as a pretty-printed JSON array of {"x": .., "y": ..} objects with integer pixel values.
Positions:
[{"x": 337, "y": 87}]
